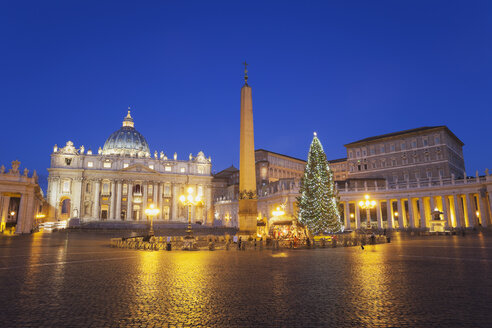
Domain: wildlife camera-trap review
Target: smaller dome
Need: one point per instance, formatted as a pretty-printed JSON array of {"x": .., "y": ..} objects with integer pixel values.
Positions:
[{"x": 126, "y": 141}]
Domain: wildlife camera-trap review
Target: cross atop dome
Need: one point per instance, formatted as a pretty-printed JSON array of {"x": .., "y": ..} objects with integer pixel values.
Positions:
[{"x": 128, "y": 121}]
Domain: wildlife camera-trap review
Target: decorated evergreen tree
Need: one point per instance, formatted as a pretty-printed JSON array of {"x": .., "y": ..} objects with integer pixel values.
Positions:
[{"x": 318, "y": 206}]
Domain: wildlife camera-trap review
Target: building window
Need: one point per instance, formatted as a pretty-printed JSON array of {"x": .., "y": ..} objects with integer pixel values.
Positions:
[
  {"x": 68, "y": 161},
  {"x": 167, "y": 169},
  {"x": 372, "y": 151},
  {"x": 414, "y": 144},
  {"x": 151, "y": 166},
  {"x": 429, "y": 174},
  {"x": 392, "y": 147},
  {"x": 425, "y": 142},
  {"x": 365, "y": 166},
  {"x": 151, "y": 189},
  {"x": 437, "y": 140},
  {"x": 441, "y": 173},
  {"x": 105, "y": 188},
  {"x": 200, "y": 170},
  {"x": 125, "y": 188},
  {"x": 88, "y": 187},
  {"x": 107, "y": 165},
  {"x": 350, "y": 154},
  {"x": 364, "y": 153},
  {"x": 90, "y": 164},
  {"x": 382, "y": 149},
  {"x": 358, "y": 153},
  {"x": 393, "y": 162},
  {"x": 403, "y": 146},
  {"x": 167, "y": 190},
  {"x": 125, "y": 165},
  {"x": 183, "y": 170}
]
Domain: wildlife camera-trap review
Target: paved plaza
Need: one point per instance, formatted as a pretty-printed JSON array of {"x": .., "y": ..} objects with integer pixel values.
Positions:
[{"x": 76, "y": 280}]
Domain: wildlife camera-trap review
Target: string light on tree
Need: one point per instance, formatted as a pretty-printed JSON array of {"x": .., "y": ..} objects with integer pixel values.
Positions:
[{"x": 318, "y": 203}]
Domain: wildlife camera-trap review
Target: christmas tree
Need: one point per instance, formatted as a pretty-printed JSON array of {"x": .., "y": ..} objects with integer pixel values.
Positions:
[{"x": 318, "y": 203}]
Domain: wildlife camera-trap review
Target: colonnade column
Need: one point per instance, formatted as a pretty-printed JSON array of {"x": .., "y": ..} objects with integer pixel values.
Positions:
[
  {"x": 400, "y": 213},
  {"x": 357, "y": 217},
  {"x": 389, "y": 213},
  {"x": 445, "y": 211},
  {"x": 423, "y": 221},
  {"x": 469, "y": 210},
  {"x": 5, "y": 209},
  {"x": 346, "y": 213},
  {"x": 97, "y": 188},
  {"x": 112, "y": 209},
  {"x": 411, "y": 212},
  {"x": 129, "y": 212},
  {"x": 118, "y": 200},
  {"x": 483, "y": 211},
  {"x": 457, "y": 210},
  {"x": 378, "y": 214}
]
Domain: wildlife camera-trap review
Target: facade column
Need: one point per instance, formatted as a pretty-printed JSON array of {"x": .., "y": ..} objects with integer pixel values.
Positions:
[
  {"x": 445, "y": 211},
  {"x": 144, "y": 200},
  {"x": 457, "y": 210},
  {"x": 112, "y": 209},
  {"x": 423, "y": 221},
  {"x": 77, "y": 197},
  {"x": 159, "y": 200},
  {"x": 175, "y": 199},
  {"x": 129, "y": 200},
  {"x": 488, "y": 207},
  {"x": 400, "y": 213},
  {"x": 118, "y": 200},
  {"x": 470, "y": 210},
  {"x": 209, "y": 213},
  {"x": 411, "y": 213},
  {"x": 53, "y": 196},
  {"x": 346, "y": 213},
  {"x": 155, "y": 192},
  {"x": 378, "y": 214},
  {"x": 97, "y": 188},
  {"x": 357, "y": 217},
  {"x": 389, "y": 213}
]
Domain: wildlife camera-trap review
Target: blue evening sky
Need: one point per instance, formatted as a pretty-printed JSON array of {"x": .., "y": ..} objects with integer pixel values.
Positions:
[{"x": 346, "y": 69}]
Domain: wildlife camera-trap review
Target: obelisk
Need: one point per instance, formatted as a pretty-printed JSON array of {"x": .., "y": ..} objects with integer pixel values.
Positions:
[{"x": 248, "y": 211}]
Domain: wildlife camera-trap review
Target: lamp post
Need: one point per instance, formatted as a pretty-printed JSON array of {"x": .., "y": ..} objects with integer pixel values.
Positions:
[
  {"x": 189, "y": 200},
  {"x": 367, "y": 205},
  {"x": 151, "y": 211}
]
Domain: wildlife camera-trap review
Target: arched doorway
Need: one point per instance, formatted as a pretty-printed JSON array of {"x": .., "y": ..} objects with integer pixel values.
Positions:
[{"x": 65, "y": 208}]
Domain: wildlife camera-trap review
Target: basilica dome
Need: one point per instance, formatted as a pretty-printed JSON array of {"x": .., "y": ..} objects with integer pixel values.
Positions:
[{"x": 126, "y": 141}]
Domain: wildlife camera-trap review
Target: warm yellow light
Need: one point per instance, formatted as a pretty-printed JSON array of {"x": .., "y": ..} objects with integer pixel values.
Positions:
[
  {"x": 477, "y": 213},
  {"x": 190, "y": 198},
  {"x": 278, "y": 212},
  {"x": 198, "y": 199},
  {"x": 373, "y": 203},
  {"x": 352, "y": 215},
  {"x": 151, "y": 210},
  {"x": 190, "y": 190},
  {"x": 12, "y": 213},
  {"x": 396, "y": 214},
  {"x": 366, "y": 196},
  {"x": 436, "y": 209},
  {"x": 361, "y": 203},
  {"x": 40, "y": 216}
]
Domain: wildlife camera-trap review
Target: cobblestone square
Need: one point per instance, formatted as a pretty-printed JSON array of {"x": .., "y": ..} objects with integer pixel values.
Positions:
[{"x": 76, "y": 280}]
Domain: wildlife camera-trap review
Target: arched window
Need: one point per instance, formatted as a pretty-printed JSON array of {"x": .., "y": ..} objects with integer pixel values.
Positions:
[
  {"x": 65, "y": 206},
  {"x": 137, "y": 189}
]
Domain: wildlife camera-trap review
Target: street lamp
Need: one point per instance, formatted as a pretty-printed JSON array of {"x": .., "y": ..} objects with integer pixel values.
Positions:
[
  {"x": 189, "y": 200},
  {"x": 367, "y": 205},
  {"x": 278, "y": 212},
  {"x": 151, "y": 211}
]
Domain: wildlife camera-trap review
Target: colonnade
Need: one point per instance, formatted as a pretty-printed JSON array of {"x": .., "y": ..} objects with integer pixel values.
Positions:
[{"x": 457, "y": 210}]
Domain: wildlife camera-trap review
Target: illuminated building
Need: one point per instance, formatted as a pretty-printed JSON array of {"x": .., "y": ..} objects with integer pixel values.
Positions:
[{"x": 118, "y": 181}]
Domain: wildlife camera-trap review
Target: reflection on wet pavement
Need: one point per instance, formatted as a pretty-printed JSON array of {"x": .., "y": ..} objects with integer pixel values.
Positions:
[{"x": 75, "y": 279}]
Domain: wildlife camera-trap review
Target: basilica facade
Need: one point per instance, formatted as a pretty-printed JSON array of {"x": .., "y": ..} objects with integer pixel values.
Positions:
[{"x": 119, "y": 181}]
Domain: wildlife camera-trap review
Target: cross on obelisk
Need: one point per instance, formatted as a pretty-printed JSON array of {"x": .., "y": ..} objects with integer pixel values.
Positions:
[{"x": 245, "y": 72}]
